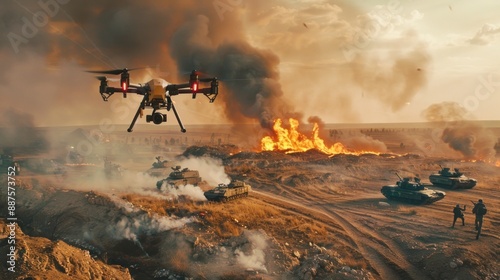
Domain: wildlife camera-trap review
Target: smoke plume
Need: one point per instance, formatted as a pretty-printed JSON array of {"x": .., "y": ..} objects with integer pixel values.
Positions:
[
  {"x": 396, "y": 84},
  {"x": 132, "y": 227},
  {"x": 362, "y": 142},
  {"x": 250, "y": 75},
  {"x": 193, "y": 192},
  {"x": 255, "y": 256},
  {"x": 18, "y": 131},
  {"x": 469, "y": 138},
  {"x": 211, "y": 170}
]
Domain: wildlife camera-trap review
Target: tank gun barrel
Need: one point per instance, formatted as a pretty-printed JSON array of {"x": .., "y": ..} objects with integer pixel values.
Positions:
[{"x": 401, "y": 179}]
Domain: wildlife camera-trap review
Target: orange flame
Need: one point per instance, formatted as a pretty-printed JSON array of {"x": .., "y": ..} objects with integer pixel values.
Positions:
[
  {"x": 292, "y": 141},
  {"x": 488, "y": 161}
]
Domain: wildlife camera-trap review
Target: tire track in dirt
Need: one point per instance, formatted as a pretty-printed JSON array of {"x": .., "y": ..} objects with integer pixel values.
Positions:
[
  {"x": 388, "y": 255},
  {"x": 386, "y": 258},
  {"x": 304, "y": 212}
]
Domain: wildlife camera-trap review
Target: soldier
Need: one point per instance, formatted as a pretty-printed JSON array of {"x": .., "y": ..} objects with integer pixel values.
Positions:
[
  {"x": 457, "y": 213},
  {"x": 480, "y": 210}
]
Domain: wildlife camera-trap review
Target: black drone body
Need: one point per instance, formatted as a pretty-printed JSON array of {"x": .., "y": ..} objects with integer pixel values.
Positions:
[{"x": 156, "y": 95}]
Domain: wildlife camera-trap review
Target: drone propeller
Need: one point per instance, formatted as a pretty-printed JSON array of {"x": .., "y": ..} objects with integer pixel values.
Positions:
[
  {"x": 206, "y": 77},
  {"x": 105, "y": 79},
  {"x": 114, "y": 71}
]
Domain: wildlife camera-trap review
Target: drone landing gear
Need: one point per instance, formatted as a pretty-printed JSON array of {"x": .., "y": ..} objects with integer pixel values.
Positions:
[
  {"x": 169, "y": 100},
  {"x": 141, "y": 107}
]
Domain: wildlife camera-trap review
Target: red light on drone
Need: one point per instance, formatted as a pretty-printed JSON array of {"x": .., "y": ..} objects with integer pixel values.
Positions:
[
  {"x": 124, "y": 86},
  {"x": 194, "y": 87}
]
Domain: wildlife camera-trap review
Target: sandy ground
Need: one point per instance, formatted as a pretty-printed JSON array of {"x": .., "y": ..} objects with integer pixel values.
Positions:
[{"x": 339, "y": 193}]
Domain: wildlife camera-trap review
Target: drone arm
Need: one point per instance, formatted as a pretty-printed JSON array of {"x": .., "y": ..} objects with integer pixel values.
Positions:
[
  {"x": 184, "y": 91},
  {"x": 175, "y": 89},
  {"x": 111, "y": 90}
]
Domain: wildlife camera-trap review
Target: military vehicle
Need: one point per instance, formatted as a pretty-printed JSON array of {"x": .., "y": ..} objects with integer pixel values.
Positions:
[
  {"x": 223, "y": 192},
  {"x": 411, "y": 191},
  {"x": 180, "y": 177},
  {"x": 452, "y": 179},
  {"x": 159, "y": 168},
  {"x": 112, "y": 170}
]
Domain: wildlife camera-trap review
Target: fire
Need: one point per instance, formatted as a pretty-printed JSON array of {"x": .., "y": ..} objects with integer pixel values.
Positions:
[
  {"x": 292, "y": 141},
  {"x": 488, "y": 161}
]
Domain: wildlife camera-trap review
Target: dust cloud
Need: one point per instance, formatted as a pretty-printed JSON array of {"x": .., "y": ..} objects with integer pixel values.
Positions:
[{"x": 469, "y": 138}]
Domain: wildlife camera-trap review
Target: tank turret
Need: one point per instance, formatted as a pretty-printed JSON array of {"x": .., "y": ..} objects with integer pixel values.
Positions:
[
  {"x": 160, "y": 168},
  {"x": 411, "y": 191}
]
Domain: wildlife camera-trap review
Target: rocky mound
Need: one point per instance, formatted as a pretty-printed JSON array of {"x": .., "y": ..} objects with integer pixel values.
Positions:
[
  {"x": 222, "y": 151},
  {"x": 41, "y": 258}
]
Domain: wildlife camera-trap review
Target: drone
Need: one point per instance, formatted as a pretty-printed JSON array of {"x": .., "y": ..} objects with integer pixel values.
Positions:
[{"x": 156, "y": 95}]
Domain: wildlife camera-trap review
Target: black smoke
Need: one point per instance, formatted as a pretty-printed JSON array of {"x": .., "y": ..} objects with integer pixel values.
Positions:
[{"x": 250, "y": 76}]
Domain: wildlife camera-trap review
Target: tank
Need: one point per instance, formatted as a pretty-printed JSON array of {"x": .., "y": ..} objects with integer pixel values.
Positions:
[
  {"x": 452, "y": 179},
  {"x": 180, "y": 177},
  {"x": 223, "y": 192},
  {"x": 112, "y": 170},
  {"x": 411, "y": 191},
  {"x": 160, "y": 168}
]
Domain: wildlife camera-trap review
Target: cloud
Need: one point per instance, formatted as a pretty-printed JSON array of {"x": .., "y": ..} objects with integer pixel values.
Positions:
[{"x": 486, "y": 35}]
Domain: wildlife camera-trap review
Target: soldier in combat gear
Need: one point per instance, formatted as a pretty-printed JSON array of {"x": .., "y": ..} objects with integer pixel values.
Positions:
[
  {"x": 457, "y": 213},
  {"x": 479, "y": 210}
]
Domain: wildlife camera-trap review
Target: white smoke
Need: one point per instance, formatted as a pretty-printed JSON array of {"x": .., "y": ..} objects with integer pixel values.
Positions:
[
  {"x": 256, "y": 258},
  {"x": 211, "y": 170},
  {"x": 130, "y": 227},
  {"x": 194, "y": 192},
  {"x": 127, "y": 182}
]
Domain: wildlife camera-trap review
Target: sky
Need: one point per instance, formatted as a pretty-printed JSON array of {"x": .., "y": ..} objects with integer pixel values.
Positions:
[{"x": 338, "y": 61}]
